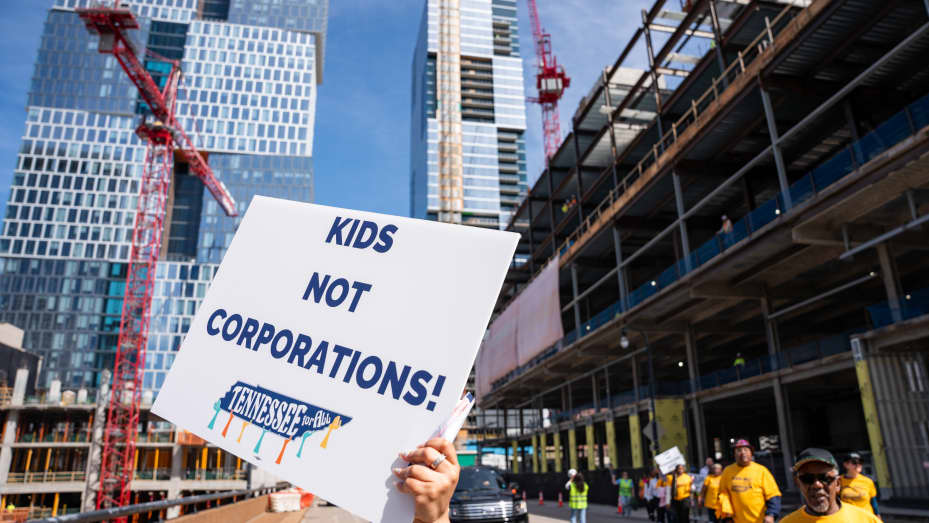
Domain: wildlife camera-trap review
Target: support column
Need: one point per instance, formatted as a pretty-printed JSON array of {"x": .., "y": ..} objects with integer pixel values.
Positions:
[
  {"x": 572, "y": 448},
  {"x": 872, "y": 422},
  {"x": 535, "y": 454},
  {"x": 635, "y": 381},
  {"x": 577, "y": 168},
  {"x": 607, "y": 99},
  {"x": 620, "y": 270},
  {"x": 95, "y": 453},
  {"x": 693, "y": 369},
  {"x": 177, "y": 475},
  {"x": 12, "y": 421},
  {"x": 516, "y": 455},
  {"x": 718, "y": 41},
  {"x": 551, "y": 208},
  {"x": 613, "y": 452},
  {"x": 591, "y": 439},
  {"x": 577, "y": 309},
  {"x": 559, "y": 455},
  {"x": 780, "y": 401},
  {"x": 891, "y": 278},
  {"x": 776, "y": 149},
  {"x": 635, "y": 439},
  {"x": 682, "y": 223},
  {"x": 543, "y": 452}
]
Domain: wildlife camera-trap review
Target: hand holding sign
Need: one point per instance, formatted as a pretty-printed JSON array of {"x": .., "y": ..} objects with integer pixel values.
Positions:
[{"x": 431, "y": 488}]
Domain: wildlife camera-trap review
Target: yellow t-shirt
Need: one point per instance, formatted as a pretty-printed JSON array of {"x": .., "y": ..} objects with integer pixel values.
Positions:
[
  {"x": 846, "y": 514},
  {"x": 682, "y": 487},
  {"x": 711, "y": 494},
  {"x": 746, "y": 490},
  {"x": 858, "y": 492}
]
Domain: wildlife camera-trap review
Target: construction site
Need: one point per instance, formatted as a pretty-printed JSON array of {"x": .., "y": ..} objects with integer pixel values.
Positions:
[{"x": 727, "y": 244}]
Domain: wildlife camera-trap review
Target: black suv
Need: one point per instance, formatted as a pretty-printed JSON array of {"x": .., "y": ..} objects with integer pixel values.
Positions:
[{"x": 483, "y": 497}]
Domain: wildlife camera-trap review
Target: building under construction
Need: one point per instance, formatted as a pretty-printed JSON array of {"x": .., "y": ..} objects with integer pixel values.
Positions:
[{"x": 733, "y": 240}]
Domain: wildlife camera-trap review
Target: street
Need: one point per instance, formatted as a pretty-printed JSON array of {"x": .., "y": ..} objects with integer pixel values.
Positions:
[{"x": 550, "y": 513}]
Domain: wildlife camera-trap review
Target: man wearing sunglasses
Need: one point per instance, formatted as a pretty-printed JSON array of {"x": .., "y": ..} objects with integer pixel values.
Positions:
[
  {"x": 817, "y": 476},
  {"x": 857, "y": 489}
]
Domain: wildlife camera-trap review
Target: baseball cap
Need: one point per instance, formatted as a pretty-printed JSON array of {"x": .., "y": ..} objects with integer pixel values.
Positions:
[
  {"x": 742, "y": 443},
  {"x": 812, "y": 455},
  {"x": 853, "y": 456}
]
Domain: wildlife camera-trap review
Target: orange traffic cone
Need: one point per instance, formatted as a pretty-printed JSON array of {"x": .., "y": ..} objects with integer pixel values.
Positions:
[
  {"x": 541, "y": 499},
  {"x": 560, "y": 502},
  {"x": 619, "y": 507}
]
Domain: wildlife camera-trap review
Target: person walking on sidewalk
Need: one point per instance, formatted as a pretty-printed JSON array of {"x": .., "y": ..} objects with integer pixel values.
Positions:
[
  {"x": 858, "y": 489},
  {"x": 577, "y": 498},
  {"x": 817, "y": 476},
  {"x": 747, "y": 490},
  {"x": 709, "y": 493},
  {"x": 651, "y": 495},
  {"x": 679, "y": 510},
  {"x": 625, "y": 490}
]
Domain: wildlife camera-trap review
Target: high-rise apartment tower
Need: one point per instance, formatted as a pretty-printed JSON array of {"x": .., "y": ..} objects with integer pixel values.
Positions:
[{"x": 467, "y": 150}]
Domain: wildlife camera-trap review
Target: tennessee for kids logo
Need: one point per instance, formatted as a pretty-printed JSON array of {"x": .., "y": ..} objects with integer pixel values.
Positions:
[{"x": 281, "y": 415}]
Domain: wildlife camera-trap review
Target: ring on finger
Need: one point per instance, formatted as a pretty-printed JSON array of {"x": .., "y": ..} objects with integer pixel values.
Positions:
[{"x": 438, "y": 461}]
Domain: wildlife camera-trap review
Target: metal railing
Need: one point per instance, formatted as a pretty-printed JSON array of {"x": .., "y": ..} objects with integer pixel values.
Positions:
[{"x": 43, "y": 477}]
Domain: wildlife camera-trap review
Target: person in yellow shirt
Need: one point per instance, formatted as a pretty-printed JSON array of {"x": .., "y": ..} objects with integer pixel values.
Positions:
[
  {"x": 817, "y": 477},
  {"x": 747, "y": 490},
  {"x": 680, "y": 482},
  {"x": 709, "y": 493},
  {"x": 857, "y": 489}
]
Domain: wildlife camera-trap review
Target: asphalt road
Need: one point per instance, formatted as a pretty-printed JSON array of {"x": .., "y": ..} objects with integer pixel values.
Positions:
[{"x": 551, "y": 513}]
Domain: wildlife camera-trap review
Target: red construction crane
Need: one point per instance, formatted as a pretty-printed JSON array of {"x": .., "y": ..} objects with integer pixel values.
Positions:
[
  {"x": 164, "y": 135},
  {"x": 550, "y": 81}
]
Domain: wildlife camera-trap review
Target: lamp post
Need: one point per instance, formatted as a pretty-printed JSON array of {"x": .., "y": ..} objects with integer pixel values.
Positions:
[{"x": 624, "y": 343}]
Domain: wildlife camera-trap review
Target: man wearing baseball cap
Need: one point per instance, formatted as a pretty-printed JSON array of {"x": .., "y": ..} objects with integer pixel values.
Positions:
[
  {"x": 817, "y": 476},
  {"x": 747, "y": 490},
  {"x": 857, "y": 489}
]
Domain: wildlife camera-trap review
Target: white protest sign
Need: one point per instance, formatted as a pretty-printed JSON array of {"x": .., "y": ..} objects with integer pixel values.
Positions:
[
  {"x": 331, "y": 340},
  {"x": 669, "y": 459}
]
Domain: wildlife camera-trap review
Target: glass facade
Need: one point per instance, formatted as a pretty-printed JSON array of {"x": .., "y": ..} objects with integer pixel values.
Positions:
[
  {"x": 493, "y": 114},
  {"x": 248, "y": 98}
]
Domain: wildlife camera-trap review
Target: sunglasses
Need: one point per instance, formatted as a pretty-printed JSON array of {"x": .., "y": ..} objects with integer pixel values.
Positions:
[{"x": 809, "y": 479}]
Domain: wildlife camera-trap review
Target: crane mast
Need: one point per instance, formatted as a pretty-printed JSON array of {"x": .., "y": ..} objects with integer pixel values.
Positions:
[{"x": 164, "y": 136}]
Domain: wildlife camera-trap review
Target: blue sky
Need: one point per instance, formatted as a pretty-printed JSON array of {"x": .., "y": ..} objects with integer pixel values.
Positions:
[{"x": 361, "y": 149}]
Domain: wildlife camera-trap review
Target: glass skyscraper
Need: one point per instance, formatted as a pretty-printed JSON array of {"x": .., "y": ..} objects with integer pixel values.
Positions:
[
  {"x": 248, "y": 97},
  {"x": 467, "y": 149}
]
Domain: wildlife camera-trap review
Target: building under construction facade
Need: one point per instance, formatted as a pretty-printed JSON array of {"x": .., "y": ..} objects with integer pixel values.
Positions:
[{"x": 729, "y": 244}]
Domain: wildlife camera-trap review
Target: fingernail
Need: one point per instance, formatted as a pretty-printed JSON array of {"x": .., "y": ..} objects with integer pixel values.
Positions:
[{"x": 397, "y": 471}]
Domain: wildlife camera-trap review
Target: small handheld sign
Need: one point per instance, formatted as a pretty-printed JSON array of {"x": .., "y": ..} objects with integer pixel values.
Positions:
[{"x": 331, "y": 340}]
